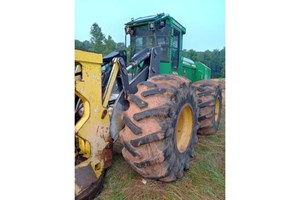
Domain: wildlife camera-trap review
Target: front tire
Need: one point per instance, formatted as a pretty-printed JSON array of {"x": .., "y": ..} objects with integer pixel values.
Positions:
[{"x": 161, "y": 127}]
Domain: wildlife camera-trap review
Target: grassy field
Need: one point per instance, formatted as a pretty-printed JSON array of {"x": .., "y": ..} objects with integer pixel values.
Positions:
[{"x": 204, "y": 180}]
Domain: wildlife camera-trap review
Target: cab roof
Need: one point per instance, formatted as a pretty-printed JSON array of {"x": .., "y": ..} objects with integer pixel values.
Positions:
[{"x": 155, "y": 18}]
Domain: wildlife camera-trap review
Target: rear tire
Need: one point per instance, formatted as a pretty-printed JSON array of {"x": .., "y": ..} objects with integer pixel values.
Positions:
[
  {"x": 210, "y": 106},
  {"x": 160, "y": 127}
]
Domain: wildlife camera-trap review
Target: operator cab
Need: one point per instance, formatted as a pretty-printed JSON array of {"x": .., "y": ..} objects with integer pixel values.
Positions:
[{"x": 157, "y": 30}]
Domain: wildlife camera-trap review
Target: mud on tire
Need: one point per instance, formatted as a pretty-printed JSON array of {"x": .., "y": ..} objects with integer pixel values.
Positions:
[
  {"x": 161, "y": 127},
  {"x": 210, "y": 106}
]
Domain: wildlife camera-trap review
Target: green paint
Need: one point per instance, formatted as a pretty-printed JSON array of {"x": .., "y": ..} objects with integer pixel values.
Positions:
[{"x": 164, "y": 31}]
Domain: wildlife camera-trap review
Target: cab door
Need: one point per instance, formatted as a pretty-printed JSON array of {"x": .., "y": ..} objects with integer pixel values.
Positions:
[{"x": 175, "y": 49}]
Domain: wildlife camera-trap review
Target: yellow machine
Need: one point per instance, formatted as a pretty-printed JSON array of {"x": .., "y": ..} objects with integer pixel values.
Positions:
[
  {"x": 93, "y": 128},
  {"x": 148, "y": 102},
  {"x": 156, "y": 116},
  {"x": 93, "y": 141}
]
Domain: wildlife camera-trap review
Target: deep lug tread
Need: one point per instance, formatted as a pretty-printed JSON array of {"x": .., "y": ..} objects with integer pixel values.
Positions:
[
  {"x": 205, "y": 93},
  {"x": 208, "y": 103},
  {"x": 162, "y": 111},
  {"x": 208, "y": 92},
  {"x": 139, "y": 102},
  {"x": 157, "y": 136},
  {"x": 206, "y": 116},
  {"x": 130, "y": 149},
  {"x": 209, "y": 83},
  {"x": 145, "y": 163},
  {"x": 203, "y": 117},
  {"x": 134, "y": 128},
  {"x": 153, "y": 161},
  {"x": 159, "y": 157},
  {"x": 153, "y": 92},
  {"x": 148, "y": 84},
  {"x": 200, "y": 89}
]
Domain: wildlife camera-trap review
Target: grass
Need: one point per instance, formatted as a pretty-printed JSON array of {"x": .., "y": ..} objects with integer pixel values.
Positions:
[{"x": 204, "y": 180}]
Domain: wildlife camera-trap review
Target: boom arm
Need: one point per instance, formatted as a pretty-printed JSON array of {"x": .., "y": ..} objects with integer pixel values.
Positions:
[{"x": 149, "y": 57}]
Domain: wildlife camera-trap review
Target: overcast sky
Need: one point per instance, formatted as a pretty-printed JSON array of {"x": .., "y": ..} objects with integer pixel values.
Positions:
[{"x": 204, "y": 20}]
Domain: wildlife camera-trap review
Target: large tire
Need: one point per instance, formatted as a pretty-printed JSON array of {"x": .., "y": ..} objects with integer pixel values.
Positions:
[
  {"x": 161, "y": 127},
  {"x": 210, "y": 106}
]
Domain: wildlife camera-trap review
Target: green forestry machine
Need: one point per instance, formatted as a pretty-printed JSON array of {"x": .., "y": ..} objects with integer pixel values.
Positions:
[{"x": 156, "y": 104}]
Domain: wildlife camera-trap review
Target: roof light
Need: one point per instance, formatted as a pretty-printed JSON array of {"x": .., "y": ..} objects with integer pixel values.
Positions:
[{"x": 151, "y": 26}]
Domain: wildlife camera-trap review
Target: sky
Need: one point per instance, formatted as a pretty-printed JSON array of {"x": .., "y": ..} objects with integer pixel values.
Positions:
[{"x": 204, "y": 20}]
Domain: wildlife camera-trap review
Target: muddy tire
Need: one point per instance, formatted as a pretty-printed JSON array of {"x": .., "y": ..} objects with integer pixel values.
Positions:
[
  {"x": 161, "y": 127},
  {"x": 210, "y": 106}
]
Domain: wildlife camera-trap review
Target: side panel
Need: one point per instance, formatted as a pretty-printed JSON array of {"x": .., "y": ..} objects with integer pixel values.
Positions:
[
  {"x": 203, "y": 72},
  {"x": 188, "y": 69},
  {"x": 165, "y": 68},
  {"x": 193, "y": 72}
]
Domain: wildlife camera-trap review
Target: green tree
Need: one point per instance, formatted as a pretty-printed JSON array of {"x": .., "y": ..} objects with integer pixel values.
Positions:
[
  {"x": 215, "y": 60},
  {"x": 109, "y": 45},
  {"x": 120, "y": 46},
  {"x": 193, "y": 55},
  {"x": 85, "y": 45},
  {"x": 97, "y": 38},
  {"x": 222, "y": 55}
]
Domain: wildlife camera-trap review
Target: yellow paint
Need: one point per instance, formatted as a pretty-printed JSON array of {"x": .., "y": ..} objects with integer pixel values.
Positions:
[
  {"x": 111, "y": 81},
  {"x": 184, "y": 128},
  {"x": 77, "y": 189},
  {"x": 88, "y": 57},
  {"x": 84, "y": 146},
  {"x": 91, "y": 131},
  {"x": 217, "y": 109}
]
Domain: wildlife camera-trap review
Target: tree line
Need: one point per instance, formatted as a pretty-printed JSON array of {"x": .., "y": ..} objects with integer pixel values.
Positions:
[
  {"x": 215, "y": 60},
  {"x": 99, "y": 43}
]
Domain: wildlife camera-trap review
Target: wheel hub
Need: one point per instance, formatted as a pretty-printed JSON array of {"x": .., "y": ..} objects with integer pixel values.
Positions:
[
  {"x": 184, "y": 128},
  {"x": 217, "y": 109}
]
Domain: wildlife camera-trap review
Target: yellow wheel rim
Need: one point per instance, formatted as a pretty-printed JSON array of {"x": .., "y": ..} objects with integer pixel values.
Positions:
[
  {"x": 217, "y": 109},
  {"x": 184, "y": 128}
]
